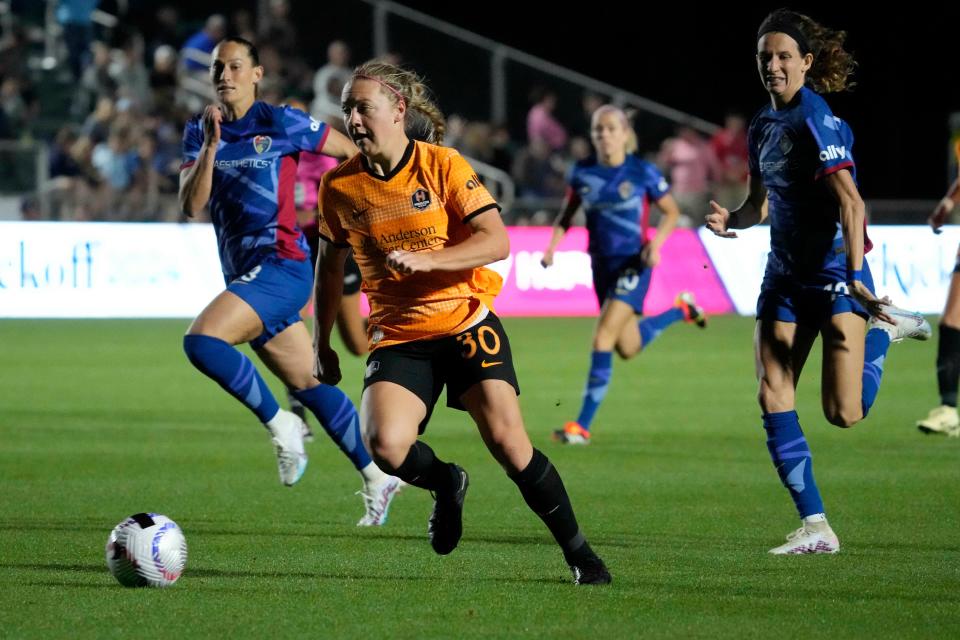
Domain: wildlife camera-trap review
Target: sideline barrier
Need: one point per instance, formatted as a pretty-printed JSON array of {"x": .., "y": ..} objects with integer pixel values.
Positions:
[{"x": 136, "y": 270}]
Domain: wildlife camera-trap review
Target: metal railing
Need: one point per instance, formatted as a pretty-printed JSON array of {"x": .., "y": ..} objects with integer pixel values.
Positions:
[{"x": 500, "y": 54}]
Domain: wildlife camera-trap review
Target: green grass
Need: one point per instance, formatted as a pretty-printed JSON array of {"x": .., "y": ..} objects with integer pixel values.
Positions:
[{"x": 101, "y": 419}]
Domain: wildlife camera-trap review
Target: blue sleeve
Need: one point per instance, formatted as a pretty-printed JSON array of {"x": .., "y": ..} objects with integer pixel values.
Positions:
[
  {"x": 834, "y": 142},
  {"x": 655, "y": 185},
  {"x": 303, "y": 132},
  {"x": 192, "y": 141}
]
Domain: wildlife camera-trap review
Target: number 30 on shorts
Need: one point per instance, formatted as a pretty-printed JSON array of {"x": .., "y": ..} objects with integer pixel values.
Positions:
[{"x": 486, "y": 340}]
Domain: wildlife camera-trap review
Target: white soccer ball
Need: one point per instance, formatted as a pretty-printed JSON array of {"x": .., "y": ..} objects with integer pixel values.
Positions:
[{"x": 146, "y": 550}]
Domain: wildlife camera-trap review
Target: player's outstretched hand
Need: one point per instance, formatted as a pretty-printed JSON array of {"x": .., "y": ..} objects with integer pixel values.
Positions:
[
  {"x": 870, "y": 302},
  {"x": 717, "y": 221}
]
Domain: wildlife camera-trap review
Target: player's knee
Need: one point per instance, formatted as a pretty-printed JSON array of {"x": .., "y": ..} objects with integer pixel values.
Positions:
[
  {"x": 604, "y": 340},
  {"x": 843, "y": 417},
  {"x": 389, "y": 449},
  {"x": 504, "y": 433},
  {"x": 627, "y": 352},
  {"x": 510, "y": 446}
]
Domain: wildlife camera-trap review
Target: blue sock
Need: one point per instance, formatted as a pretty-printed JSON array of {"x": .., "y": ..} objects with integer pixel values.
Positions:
[
  {"x": 875, "y": 350},
  {"x": 339, "y": 419},
  {"x": 601, "y": 369},
  {"x": 233, "y": 371},
  {"x": 791, "y": 456},
  {"x": 653, "y": 326}
]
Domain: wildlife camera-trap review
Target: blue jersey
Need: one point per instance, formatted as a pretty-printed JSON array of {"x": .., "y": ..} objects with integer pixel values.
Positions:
[
  {"x": 617, "y": 203},
  {"x": 790, "y": 150},
  {"x": 251, "y": 200}
]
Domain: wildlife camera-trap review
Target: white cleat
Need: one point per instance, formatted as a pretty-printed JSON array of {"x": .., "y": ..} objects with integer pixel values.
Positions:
[
  {"x": 906, "y": 324},
  {"x": 809, "y": 539},
  {"x": 943, "y": 420},
  {"x": 288, "y": 441},
  {"x": 376, "y": 500}
]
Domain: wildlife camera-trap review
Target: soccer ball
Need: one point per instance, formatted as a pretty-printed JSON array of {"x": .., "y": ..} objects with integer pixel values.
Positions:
[{"x": 146, "y": 550}]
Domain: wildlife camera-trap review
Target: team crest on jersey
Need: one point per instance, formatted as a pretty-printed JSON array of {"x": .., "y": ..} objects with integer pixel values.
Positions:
[
  {"x": 261, "y": 144},
  {"x": 786, "y": 144},
  {"x": 420, "y": 199},
  {"x": 625, "y": 189}
]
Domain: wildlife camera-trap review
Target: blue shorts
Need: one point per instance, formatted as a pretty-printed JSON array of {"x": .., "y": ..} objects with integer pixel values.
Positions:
[
  {"x": 624, "y": 278},
  {"x": 809, "y": 300},
  {"x": 277, "y": 289}
]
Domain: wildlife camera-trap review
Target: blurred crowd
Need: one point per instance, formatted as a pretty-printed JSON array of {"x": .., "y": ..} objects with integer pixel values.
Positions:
[{"x": 114, "y": 142}]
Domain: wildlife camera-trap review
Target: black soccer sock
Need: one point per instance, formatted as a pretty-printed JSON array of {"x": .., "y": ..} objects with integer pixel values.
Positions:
[
  {"x": 948, "y": 364},
  {"x": 422, "y": 468},
  {"x": 544, "y": 493}
]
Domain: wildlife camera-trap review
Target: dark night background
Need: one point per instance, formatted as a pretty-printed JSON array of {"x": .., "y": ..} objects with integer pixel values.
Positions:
[{"x": 699, "y": 59}]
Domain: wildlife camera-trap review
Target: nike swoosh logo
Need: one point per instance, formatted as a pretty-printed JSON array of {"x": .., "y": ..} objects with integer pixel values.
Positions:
[{"x": 486, "y": 364}]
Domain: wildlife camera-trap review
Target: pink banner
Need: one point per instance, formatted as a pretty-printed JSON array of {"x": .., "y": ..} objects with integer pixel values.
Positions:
[{"x": 566, "y": 288}]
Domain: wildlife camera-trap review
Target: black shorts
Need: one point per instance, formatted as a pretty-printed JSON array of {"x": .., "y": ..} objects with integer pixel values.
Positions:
[{"x": 423, "y": 367}]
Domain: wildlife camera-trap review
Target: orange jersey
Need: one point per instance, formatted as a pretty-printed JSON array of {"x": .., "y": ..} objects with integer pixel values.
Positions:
[{"x": 424, "y": 204}]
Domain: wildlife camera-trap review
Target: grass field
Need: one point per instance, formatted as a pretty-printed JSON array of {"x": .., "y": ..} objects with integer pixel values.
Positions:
[{"x": 101, "y": 419}]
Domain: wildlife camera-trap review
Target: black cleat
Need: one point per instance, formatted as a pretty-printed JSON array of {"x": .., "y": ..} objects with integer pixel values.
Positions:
[
  {"x": 446, "y": 522},
  {"x": 590, "y": 571}
]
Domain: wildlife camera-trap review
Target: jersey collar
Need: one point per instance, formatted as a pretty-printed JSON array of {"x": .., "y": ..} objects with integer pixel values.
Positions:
[{"x": 407, "y": 154}]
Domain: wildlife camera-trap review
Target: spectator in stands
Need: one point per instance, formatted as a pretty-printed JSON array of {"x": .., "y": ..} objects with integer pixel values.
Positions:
[
  {"x": 15, "y": 108},
  {"x": 163, "y": 80},
  {"x": 14, "y": 50},
  {"x": 67, "y": 181},
  {"x": 729, "y": 146},
  {"x": 130, "y": 73},
  {"x": 30, "y": 208},
  {"x": 541, "y": 124},
  {"x": 96, "y": 83},
  {"x": 477, "y": 142},
  {"x": 62, "y": 164},
  {"x": 97, "y": 125},
  {"x": 691, "y": 163},
  {"x": 76, "y": 20},
  {"x": 328, "y": 82},
  {"x": 115, "y": 160},
  {"x": 580, "y": 149},
  {"x": 538, "y": 172},
  {"x": 201, "y": 44}
]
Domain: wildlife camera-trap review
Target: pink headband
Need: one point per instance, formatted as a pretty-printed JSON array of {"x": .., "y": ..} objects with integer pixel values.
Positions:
[{"x": 382, "y": 84}]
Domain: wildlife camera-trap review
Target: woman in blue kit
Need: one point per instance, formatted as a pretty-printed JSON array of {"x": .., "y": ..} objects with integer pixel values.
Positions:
[
  {"x": 615, "y": 189},
  {"x": 803, "y": 178},
  {"x": 241, "y": 156}
]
